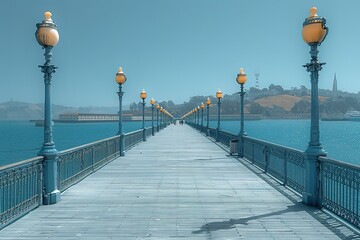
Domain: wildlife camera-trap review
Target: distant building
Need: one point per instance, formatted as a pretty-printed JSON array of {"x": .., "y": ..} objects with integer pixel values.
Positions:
[
  {"x": 335, "y": 89},
  {"x": 91, "y": 117}
]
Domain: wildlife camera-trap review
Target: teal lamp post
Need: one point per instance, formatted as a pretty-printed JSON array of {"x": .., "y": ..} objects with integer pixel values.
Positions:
[
  {"x": 143, "y": 96},
  {"x": 314, "y": 32},
  {"x": 241, "y": 79},
  {"x": 120, "y": 78},
  {"x": 198, "y": 115},
  {"x": 219, "y": 97},
  {"x": 157, "y": 117},
  {"x": 47, "y": 36},
  {"x": 202, "y": 106},
  {"x": 152, "y": 102},
  {"x": 208, "y": 102}
]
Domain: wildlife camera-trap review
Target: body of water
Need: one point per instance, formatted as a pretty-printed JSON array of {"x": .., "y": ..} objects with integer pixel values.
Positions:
[
  {"x": 340, "y": 139},
  {"x": 20, "y": 140}
]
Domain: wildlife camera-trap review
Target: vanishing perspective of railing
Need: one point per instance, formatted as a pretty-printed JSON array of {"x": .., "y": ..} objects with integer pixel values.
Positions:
[
  {"x": 339, "y": 182},
  {"x": 21, "y": 184}
]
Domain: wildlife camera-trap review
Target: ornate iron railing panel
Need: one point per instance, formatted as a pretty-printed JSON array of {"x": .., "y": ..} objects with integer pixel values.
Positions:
[
  {"x": 76, "y": 163},
  {"x": 20, "y": 189},
  {"x": 283, "y": 163},
  {"x": 133, "y": 138},
  {"x": 340, "y": 185}
]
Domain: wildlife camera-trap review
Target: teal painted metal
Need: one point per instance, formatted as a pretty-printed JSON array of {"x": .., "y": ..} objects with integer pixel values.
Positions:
[
  {"x": 340, "y": 189},
  {"x": 314, "y": 149},
  {"x": 217, "y": 139},
  {"x": 79, "y": 162},
  {"x": 143, "y": 120},
  {"x": 152, "y": 120},
  {"x": 157, "y": 120},
  {"x": 207, "y": 120},
  {"x": 242, "y": 127},
  {"x": 20, "y": 189},
  {"x": 48, "y": 151},
  {"x": 121, "y": 131}
]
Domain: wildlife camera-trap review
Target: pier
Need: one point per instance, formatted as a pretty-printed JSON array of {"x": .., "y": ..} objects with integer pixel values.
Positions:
[{"x": 179, "y": 184}]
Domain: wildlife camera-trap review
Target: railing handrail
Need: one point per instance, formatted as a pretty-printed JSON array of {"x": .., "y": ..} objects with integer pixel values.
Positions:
[
  {"x": 21, "y": 163},
  {"x": 86, "y": 145},
  {"x": 345, "y": 164},
  {"x": 273, "y": 144}
]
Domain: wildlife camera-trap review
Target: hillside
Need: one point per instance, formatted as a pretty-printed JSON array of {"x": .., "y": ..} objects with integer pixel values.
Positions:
[{"x": 286, "y": 102}]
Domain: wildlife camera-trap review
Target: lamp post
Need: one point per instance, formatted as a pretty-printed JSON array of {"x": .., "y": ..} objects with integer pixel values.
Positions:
[
  {"x": 241, "y": 79},
  {"x": 161, "y": 117},
  {"x": 157, "y": 117},
  {"x": 143, "y": 97},
  {"x": 120, "y": 78},
  {"x": 198, "y": 115},
  {"x": 202, "y": 116},
  {"x": 218, "y": 96},
  {"x": 47, "y": 36},
  {"x": 194, "y": 112},
  {"x": 152, "y": 102},
  {"x": 314, "y": 32},
  {"x": 208, "y": 102}
]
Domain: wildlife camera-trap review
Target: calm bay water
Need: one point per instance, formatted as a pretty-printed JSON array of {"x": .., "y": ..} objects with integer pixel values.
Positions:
[
  {"x": 340, "y": 139},
  {"x": 20, "y": 140}
]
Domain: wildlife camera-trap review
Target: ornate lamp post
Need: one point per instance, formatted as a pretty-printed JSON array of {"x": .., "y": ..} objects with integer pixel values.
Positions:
[
  {"x": 161, "y": 117},
  {"x": 314, "y": 32},
  {"x": 218, "y": 96},
  {"x": 202, "y": 116},
  {"x": 47, "y": 36},
  {"x": 143, "y": 97},
  {"x": 208, "y": 102},
  {"x": 241, "y": 79},
  {"x": 152, "y": 102},
  {"x": 198, "y": 115},
  {"x": 157, "y": 117},
  {"x": 120, "y": 78}
]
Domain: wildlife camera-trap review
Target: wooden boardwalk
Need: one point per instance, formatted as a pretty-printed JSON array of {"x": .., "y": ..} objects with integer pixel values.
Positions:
[{"x": 177, "y": 185}]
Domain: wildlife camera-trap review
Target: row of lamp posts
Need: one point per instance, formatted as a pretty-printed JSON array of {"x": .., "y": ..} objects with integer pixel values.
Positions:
[
  {"x": 47, "y": 36},
  {"x": 120, "y": 78},
  {"x": 314, "y": 32}
]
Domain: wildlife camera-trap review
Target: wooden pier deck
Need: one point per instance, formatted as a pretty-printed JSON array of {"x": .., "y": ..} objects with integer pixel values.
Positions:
[{"x": 178, "y": 185}]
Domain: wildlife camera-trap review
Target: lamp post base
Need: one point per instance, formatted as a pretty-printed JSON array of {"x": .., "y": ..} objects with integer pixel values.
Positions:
[
  {"x": 122, "y": 144},
  {"x": 311, "y": 191},
  {"x": 51, "y": 198}
]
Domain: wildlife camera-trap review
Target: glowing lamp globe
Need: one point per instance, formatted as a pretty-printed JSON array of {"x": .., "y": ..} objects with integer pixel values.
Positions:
[
  {"x": 47, "y": 33},
  {"x": 314, "y": 28}
]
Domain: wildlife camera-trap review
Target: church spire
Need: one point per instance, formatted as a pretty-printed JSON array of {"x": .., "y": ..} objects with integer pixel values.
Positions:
[{"x": 334, "y": 84}]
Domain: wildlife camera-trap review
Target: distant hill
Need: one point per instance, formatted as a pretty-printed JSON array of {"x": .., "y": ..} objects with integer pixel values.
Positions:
[
  {"x": 14, "y": 110},
  {"x": 286, "y": 102}
]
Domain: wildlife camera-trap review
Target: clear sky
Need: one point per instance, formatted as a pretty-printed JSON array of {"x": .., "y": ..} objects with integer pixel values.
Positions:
[{"x": 174, "y": 49}]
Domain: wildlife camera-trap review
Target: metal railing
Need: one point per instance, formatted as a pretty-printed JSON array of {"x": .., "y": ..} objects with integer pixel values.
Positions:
[
  {"x": 340, "y": 189},
  {"x": 76, "y": 163},
  {"x": 285, "y": 164},
  {"x": 20, "y": 189},
  {"x": 21, "y": 183}
]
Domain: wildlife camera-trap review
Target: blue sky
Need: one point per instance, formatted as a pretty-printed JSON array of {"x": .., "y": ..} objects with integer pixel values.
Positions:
[{"x": 174, "y": 49}]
